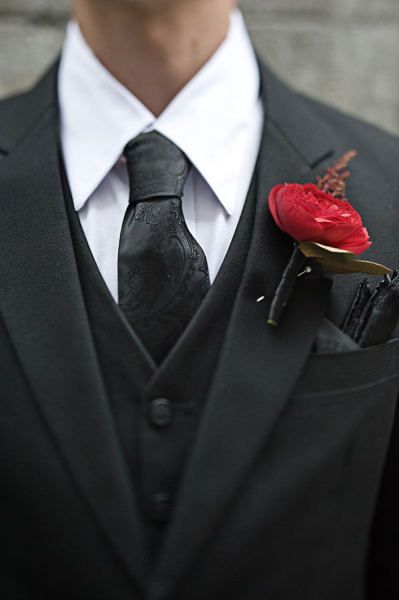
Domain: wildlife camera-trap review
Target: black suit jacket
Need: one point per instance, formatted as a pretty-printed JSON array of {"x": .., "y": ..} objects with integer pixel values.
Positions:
[{"x": 292, "y": 487}]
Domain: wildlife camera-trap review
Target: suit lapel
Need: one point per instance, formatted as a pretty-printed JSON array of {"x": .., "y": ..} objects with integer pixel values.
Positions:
[
  {"x": 259, "y": 365},
  {"x": 42, "y": 306}
]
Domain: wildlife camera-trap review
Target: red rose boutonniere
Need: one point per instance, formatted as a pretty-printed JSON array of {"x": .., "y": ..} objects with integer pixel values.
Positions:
[{"x": 327, "y": 230}]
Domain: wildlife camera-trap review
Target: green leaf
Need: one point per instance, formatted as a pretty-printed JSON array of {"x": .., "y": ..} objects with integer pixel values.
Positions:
[
  {"x": 354, "y": 266},
  {"x": 315, "y": 250},
  {"x": 341, "y": 261}
]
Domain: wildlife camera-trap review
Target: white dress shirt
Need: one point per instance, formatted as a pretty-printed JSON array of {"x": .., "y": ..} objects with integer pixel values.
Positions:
[{"x": 216, "y": 120}]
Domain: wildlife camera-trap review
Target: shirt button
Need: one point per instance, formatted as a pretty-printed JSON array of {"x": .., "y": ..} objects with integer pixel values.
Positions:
[
  {"x": 160, "y": 412},
  {"x": 161, "y": 504}
]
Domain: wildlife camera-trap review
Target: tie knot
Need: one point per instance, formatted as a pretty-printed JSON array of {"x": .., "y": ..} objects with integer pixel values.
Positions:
[{"x": 157, "y": 167}]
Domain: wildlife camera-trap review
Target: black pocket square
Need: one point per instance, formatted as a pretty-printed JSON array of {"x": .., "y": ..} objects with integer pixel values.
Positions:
[
  {"x": 373, "y": 316},
  {"x": 331, "y": 338}
]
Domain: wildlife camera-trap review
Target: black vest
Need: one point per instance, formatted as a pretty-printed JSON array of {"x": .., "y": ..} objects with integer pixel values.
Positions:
[{"x": 157, "y": 408}]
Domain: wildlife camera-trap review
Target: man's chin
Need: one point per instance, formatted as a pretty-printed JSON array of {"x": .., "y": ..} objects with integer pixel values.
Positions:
[{"x": 149, "y": 5}]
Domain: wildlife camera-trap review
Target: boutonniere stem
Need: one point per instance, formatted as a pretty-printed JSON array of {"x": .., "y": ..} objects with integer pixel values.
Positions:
[{"x": 285, "y": 288}]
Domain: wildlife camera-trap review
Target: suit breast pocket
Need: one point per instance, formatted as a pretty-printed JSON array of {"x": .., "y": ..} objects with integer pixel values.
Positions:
[
  {"x": 353, "y": 376},
  {"x": 332, "y": 441}
]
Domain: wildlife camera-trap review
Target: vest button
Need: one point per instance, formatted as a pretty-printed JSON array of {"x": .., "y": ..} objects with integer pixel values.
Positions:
[
  {"x": 161, "y": 505},
  {"x": 160, "y": 412}
]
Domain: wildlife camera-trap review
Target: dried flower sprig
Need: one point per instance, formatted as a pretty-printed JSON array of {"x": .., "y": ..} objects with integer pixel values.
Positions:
[{"x": 335, "y": 179}]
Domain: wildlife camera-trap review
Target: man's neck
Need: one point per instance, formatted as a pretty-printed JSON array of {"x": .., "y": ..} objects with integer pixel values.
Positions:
[{"x": 154, "y": 53}]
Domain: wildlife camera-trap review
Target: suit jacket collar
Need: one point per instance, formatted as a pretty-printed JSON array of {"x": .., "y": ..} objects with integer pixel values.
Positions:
[
  {"x": 292, "y": 115},
  {"x": 42, "y": 306},
  {"x": 20, "y": 114}
]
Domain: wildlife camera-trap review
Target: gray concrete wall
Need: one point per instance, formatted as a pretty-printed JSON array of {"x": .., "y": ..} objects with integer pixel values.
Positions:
[{"x": 345, "y": 52}]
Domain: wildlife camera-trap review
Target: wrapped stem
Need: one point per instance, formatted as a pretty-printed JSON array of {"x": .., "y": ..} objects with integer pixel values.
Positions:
[{"x": 286, "y": 286}]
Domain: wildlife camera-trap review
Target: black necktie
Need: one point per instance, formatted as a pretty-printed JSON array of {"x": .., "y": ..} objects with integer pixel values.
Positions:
[{"x": 162, "y": 270}]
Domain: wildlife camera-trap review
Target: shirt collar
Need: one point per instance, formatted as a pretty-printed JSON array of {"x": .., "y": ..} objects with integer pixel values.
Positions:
[{"x": 207, "y": 119}]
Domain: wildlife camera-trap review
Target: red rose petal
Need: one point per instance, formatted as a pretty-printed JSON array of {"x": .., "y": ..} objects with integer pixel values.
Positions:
[{"x": 308, "y": 214}]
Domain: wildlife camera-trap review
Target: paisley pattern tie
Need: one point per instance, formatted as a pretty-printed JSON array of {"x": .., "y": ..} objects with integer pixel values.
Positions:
[{"x": 162, "y": 270}]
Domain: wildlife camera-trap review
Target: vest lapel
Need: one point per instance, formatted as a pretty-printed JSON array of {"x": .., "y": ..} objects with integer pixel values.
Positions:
[
  {"x": 259, "y": 365},
  {"x": 42, "y": 306}
]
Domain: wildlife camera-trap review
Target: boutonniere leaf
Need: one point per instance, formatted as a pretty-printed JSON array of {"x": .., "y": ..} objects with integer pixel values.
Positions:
[
  {"x": 326, "y": 230},
  {"x": 341, "y": 261}
]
